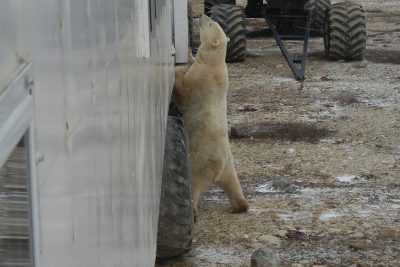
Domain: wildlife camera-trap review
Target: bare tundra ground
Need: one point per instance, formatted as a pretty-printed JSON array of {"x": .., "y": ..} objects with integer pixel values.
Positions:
[{"x": 331, "y": 199}]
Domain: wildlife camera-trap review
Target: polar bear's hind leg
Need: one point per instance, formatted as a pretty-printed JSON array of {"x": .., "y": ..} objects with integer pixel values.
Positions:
[
  {"x": 203, "y": 178},
  {"x": 231, "y": 186},
  {"x": 199, "y": 185}
]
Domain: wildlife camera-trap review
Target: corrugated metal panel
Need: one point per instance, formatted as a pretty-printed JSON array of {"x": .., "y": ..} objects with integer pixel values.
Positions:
[{"x": 101, "y": 94}]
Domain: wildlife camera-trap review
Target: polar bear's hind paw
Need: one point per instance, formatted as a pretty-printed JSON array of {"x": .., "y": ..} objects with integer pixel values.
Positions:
[{"x": 241, "y": 206}]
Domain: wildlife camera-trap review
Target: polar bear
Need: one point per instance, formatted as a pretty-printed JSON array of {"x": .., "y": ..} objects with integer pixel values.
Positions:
[{"x": 200, "y": 92}]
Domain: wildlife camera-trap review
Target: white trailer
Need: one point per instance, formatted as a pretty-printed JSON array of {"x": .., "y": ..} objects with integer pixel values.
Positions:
[{"x": 86, "y": 84}]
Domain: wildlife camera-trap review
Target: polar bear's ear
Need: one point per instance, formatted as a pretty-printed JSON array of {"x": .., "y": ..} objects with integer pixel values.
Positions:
[{"x": 228, "y": 40}]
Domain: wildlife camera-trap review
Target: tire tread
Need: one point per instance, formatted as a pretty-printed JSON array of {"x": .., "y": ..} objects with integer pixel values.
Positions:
[
  {"x": 231, "y": 18},
  {"x": 346, "y": 32}
]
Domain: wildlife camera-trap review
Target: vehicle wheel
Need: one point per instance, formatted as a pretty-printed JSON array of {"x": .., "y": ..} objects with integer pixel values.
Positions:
[
  {"x": 208, "y": 4},
  {"x": 345, "y": 32},
  {"x": 319, "y": 8},
  {"x": 175, "y": 223},
  {"x": 232, "y": 20}
]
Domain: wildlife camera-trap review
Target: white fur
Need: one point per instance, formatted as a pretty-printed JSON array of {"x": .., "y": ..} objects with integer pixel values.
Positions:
[{"x": 200, "y": 91}]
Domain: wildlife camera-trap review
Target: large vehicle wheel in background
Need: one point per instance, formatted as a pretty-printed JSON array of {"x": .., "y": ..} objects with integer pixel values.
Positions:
[
  {"x": 345, "y": 32},
  {"x": 319, "y": 8},
  {"x": 233, "y": 21},
  {"x": 175, "y": 223},
  {"x": 208, "y": 4}
]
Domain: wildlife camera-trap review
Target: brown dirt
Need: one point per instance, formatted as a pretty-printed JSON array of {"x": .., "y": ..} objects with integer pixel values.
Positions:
[{"x": 343, "y": 206}]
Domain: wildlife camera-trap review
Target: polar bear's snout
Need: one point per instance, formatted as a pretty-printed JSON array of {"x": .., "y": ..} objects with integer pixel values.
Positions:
[{"x": 204, "y": 19}]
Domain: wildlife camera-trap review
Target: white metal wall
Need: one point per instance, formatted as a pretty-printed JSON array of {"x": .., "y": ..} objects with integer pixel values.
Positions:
[{"x": 103, "y": 74}]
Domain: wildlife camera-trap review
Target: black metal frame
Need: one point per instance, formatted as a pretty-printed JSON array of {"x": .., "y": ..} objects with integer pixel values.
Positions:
[{"x": 276, "y": 16}]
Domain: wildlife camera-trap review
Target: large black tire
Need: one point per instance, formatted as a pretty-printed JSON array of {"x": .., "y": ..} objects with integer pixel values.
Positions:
[
  {"x": 319, "y": 8},
  {"x": 233, "y": 21},
  {"x": 208, "y": 4},
  {"x": 254, "y": 9},
  {"x": 175, "y": 223},
  {"x": 345, "y": 32}
]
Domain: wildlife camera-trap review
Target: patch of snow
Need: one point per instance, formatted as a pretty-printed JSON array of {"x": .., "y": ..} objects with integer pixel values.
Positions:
[
  {"x": 346, "y": 178},
  {"x": 279, "y": 186},
  {"x": 217, "y": 255},
  {"x": 379, "y": 102},
  {"x": 288, "y": 216},
  {"x": 350, "y": 179},
  {"x": 395, "y": 206},
  {"x": 221, "y": 199},
  {"x": 364, "y": 213},
  {"x": 215, "y": 190},
  {"x": 313, "y": 191},
  {"x": 284, "y": 80},
  {"x": 265, "y": 188},
  {"x": 327, "y": 141},
  {"x": 256, "y": 211},
  {"x": 331, "y": 214},
  {"x": 215, "y": 194}
]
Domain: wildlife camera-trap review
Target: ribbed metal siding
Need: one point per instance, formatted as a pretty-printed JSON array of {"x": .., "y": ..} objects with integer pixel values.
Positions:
[{"x": 102, "y": 87}]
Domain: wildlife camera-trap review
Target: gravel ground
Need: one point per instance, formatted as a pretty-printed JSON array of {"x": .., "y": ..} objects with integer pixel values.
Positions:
[{"x": 333, "y": 200}]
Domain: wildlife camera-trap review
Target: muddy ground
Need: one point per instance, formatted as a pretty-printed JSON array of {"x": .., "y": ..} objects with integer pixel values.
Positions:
[{"x": 332, "y": 199}]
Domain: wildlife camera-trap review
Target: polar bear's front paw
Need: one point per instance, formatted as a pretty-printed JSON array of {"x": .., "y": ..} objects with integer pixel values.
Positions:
[
  {"x": 191, "y": 59},
  {"x": 241, "y": 206}
]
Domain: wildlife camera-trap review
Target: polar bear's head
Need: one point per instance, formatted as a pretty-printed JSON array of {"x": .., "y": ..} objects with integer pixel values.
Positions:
[{"x": 212, "y": 37}]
